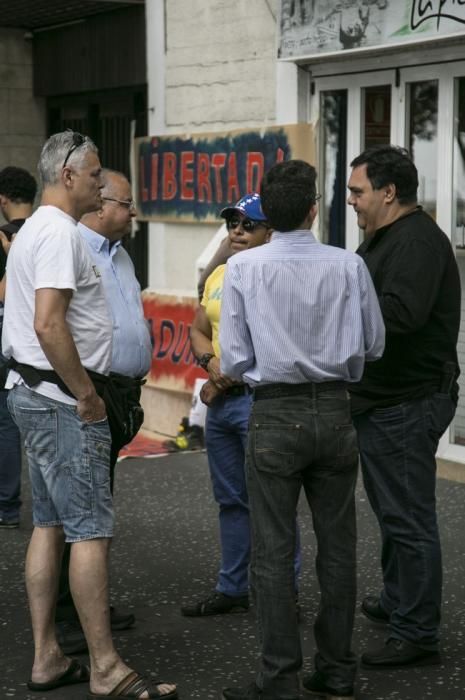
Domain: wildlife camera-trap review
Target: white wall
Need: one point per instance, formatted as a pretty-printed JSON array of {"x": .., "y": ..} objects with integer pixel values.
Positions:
[
  {"x": 22, "y": 116},
  {"x": 216, "y": 72}
]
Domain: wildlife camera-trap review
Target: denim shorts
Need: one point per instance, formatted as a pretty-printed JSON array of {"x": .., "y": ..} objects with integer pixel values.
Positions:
[{"x": 69, "y": 465}]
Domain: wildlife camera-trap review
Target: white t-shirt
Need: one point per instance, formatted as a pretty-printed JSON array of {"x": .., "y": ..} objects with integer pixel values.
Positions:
[{"x": 49, "y": 252}]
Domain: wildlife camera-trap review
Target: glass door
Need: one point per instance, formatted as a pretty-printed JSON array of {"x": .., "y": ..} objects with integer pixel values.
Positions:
[
  {"x": 353, "y": 113},
  {"x": 423, "y": 111},
  {"x": 333, "y": 167},
  {"x": 457, "y": 436},
  {"x": 376, "y": 115},
  {"x": 422, "y": 137}
]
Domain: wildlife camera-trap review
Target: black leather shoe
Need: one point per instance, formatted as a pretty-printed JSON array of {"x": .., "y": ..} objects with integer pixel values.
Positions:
[
  {"x": 371, "y": 608},
  {"x": 120, "y": 620},
  {"x": 251, "y": 692},
  {"x": 217, "y": 604},
  {"x": 71, "y": 638},
  {"x": 317, "y": 685},
  {"x": 398, "y": 653}
]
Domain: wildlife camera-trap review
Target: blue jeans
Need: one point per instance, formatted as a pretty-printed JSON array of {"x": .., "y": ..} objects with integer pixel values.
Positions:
[
  {"x": 69, "y": 465},
  {"x": 397, "y": 450},
  {"x": 226, "y": 438},
  {"x": 10, "y": 449},
  {"x": 303, "y": 441},
  {"x": 10, "y": 463}
]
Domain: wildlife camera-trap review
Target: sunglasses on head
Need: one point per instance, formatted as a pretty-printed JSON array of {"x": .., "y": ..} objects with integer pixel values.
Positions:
[
  {"x": 78, "y": 140},
  {"x": 247, "y": 225}
]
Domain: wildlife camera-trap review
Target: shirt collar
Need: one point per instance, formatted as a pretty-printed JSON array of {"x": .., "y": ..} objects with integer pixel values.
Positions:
[
  {"x": 98, "y": 242},
  {"x": 298, "y": 234}
]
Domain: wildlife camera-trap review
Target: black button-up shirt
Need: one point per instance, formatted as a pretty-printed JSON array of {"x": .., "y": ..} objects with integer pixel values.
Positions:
[{"x": 417, "y": 280}]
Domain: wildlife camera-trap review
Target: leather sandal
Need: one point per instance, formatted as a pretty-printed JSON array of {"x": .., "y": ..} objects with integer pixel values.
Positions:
[{"x": 133, "y": 686}]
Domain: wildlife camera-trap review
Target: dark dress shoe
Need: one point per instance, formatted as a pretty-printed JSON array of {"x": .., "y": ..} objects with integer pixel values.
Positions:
[
  {"x": 398, "y": 653},
  {"x": 316, "y": 685},
  {"x": 217, "y": 604},
  {"x": 71, "y": 638},
  {"x": 121, "y": 620},
  {"x": 251, "y": 692},
  {"x": 371, "y": 608}
]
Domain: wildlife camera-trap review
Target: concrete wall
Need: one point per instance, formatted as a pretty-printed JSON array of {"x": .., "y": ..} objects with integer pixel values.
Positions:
[
  {"x": 216, "y": 72},
  {"x": 211, "y": 67},
  {"x": 22, "y": 116},
  {"x": 220, "y": 64}
]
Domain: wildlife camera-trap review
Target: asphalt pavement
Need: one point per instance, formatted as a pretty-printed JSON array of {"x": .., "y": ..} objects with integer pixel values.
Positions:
[{"x": 165, "y": 553}]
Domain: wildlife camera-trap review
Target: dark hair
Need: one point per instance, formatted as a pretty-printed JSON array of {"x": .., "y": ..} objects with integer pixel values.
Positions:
[
  {"x": 288, "y": 191},
  {"x": 18, "y": 185},
  {"x": 390, "y": 165}
]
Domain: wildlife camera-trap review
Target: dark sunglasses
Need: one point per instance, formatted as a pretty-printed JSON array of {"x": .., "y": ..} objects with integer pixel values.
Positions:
[
  {"x": 78, "y": 140},
  {"x": 129, "y": 204},
  {"x": 247, "y": 225}
]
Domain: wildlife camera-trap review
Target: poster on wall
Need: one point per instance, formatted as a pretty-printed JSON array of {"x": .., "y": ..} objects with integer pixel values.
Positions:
[
  {"x": 170, "y": 317},
  {"x": 190, "y": 178},
  {"x": 310, "y": 28}
]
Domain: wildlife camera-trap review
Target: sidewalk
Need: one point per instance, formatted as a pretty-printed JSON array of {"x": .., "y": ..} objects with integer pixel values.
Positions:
[{"x": 165, "y": 553}]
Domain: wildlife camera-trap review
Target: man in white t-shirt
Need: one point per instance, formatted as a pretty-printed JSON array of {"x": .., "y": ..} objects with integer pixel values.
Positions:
[{"x": 57, "y": 326}]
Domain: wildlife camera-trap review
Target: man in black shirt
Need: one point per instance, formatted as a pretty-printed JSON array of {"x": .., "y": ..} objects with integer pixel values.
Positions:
[
  {"x": 17, "y": 192},
  {"x": 405, "y": 400}
]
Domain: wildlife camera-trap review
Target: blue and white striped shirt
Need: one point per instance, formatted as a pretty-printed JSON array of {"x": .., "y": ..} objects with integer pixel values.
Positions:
[{"x": 296, "y": 311}]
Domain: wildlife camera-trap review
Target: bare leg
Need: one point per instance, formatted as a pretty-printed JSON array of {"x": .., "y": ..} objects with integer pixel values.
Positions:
[
  {"x": 88, "y": 575},
  {"x": 43, "y": 561}
]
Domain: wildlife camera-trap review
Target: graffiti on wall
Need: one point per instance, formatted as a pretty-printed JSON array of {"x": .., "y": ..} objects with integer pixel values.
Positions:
[
  {"x": 313, "y": 27},
  {"x": 193, "y": 178},
  {"x": 173, "y": 363}
]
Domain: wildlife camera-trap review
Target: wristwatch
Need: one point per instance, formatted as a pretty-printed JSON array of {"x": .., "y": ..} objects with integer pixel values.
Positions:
[{"x": 205, "y": 359}]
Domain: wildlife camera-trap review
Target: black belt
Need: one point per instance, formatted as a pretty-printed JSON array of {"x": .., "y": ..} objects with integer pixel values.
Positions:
[
  {"x": 276, "y": 391},
  {"x": 33, "y": 376},
  {"x": 237, "y": 390}
]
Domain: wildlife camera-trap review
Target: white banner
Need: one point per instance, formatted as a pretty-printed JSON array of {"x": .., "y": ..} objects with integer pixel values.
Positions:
[{"x": 310, "y": 28}]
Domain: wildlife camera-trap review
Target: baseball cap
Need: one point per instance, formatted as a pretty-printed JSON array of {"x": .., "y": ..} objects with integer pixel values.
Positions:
[{"x": 249, "y": 205}]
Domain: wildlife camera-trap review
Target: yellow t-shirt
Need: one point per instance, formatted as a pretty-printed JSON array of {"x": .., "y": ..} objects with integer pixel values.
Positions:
[{"x": 211, "y": 301}]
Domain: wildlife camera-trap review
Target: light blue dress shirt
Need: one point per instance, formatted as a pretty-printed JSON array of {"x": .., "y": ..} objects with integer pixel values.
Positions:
[
  {"x": 131, "y": 347},
  {"x": 297, "y": 311}
]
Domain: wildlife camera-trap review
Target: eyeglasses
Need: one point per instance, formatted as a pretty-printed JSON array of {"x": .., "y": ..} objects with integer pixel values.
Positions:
[
  {"x": 248, "y": 225},
  {"x": 78, "y": 140},
  {"x": 129, "y": 204},
  {"x": 318, "y": 197}
]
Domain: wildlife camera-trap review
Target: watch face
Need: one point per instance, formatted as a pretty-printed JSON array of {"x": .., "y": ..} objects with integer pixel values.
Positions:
[{"x": 205, "y": 359}]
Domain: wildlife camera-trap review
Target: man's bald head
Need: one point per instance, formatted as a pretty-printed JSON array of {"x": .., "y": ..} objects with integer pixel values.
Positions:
[{"x": 113, "y": 219}]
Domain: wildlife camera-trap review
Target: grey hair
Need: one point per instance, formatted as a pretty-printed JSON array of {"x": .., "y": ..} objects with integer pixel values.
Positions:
[
  {"x": 54, "y": 153},
  {"x": 109, "y": 171}
]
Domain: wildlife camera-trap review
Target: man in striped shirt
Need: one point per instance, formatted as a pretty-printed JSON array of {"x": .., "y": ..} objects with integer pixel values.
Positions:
[{"x": 298, "y": 321}]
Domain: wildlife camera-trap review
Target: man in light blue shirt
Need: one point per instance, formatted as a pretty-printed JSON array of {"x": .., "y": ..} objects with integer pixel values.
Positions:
[
  {"x": 131, "y": 351},
  {"x": 103, "y": 231},
  {"x": 298, "y": 321}
]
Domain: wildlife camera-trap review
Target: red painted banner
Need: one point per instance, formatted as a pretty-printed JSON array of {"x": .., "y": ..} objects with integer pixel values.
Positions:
[
  {"x": 180, "y": 177},
  {"x": 173, "y": 364}
]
